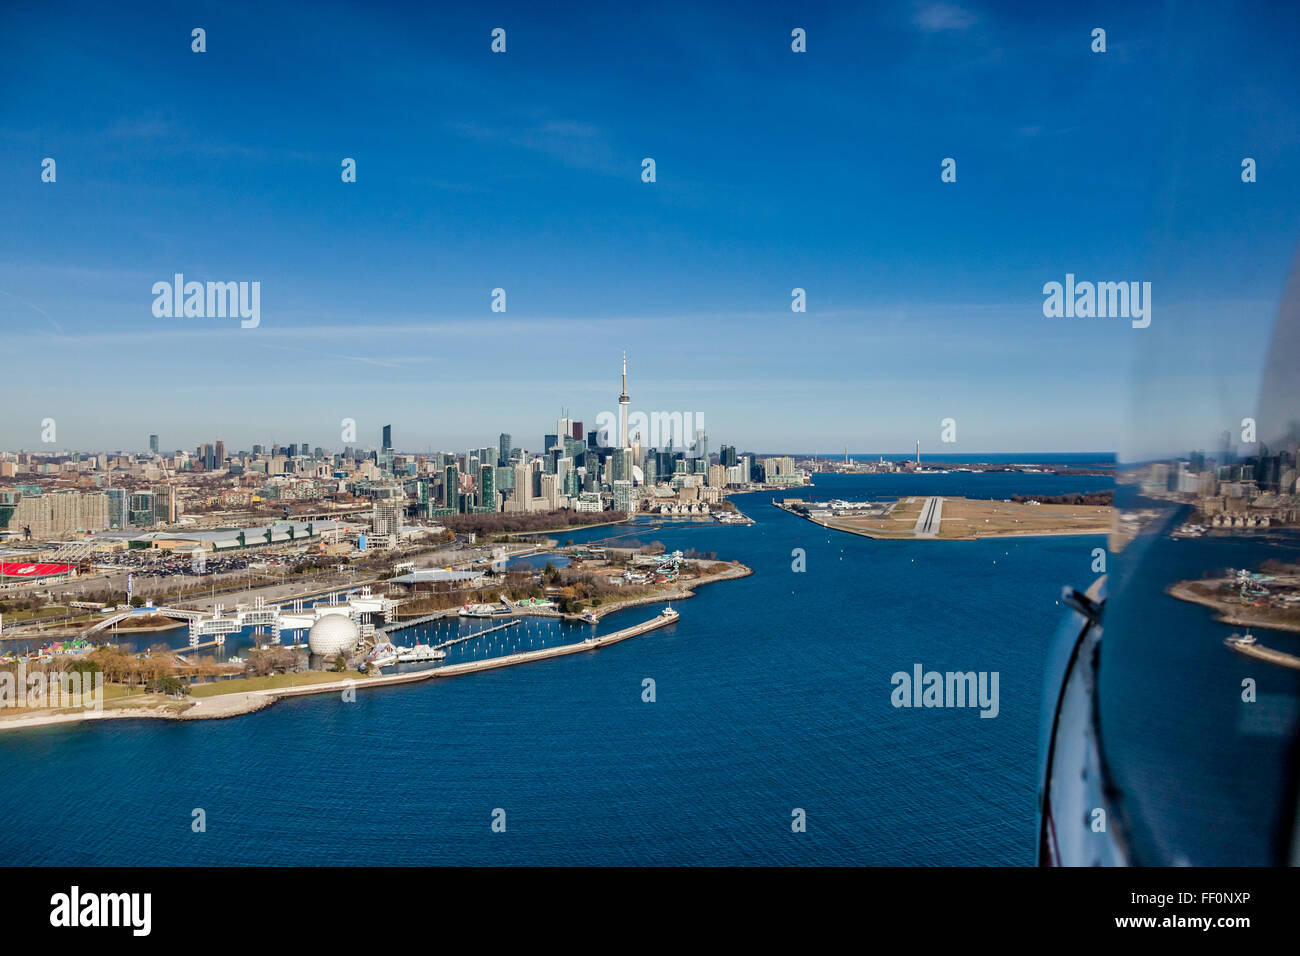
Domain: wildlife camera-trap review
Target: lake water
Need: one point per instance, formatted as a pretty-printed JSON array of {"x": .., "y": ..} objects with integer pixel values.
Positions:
[{"x": 772, "y": 693}]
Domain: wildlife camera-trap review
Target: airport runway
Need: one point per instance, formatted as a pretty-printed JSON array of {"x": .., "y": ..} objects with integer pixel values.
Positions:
[{"x": 928, "y": 521}]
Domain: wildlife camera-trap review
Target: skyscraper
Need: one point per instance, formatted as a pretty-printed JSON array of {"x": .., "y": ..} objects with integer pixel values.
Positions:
[
  {"x": 701, "y": 447},
  {"x": 153, "y": 444},
  {"x": 388, "y": 438},
  {"x": 523, "y": 489},
  {"x": 623, "y": 403},
  {"x": 451, "y": 487},
  {"x": 503, "y": 449},
  {"x": 487, "y": 488}
]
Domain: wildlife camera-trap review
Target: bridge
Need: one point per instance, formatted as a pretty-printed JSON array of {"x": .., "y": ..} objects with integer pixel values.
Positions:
[{"x": 147, "y": 610}]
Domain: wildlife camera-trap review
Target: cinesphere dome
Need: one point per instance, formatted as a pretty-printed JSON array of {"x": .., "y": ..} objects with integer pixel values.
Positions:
[{"x": 332, "y": 634}]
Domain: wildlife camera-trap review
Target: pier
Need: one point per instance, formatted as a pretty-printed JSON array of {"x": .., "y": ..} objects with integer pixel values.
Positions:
[
  {"x": 470, "y": 637},
  {"x": 524, "y": 657},
  {"x": 403, "y": 625},
  {"x": 1280, "y": 658}
]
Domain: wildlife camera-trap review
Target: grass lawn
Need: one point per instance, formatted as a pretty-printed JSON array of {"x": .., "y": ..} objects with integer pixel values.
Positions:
[
  {"x": 13, "y": 617},
  {"x": 241, "y": 685}
]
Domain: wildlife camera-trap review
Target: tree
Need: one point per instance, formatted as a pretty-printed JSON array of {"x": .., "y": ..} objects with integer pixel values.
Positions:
[
  {"x": 87, "y": 667},
  {"x": 171, "y": 685}
]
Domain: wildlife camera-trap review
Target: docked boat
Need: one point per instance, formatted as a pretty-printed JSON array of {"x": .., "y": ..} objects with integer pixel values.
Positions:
[
  {"x": 420, "y": 653},
  {"x": 483, "y": 610},
  {"x": 590, "y": 618},
  {"x": 669, "y": 613},
  {"x": 382, "y": 655},
  {"x": 1240, "y": 639}
]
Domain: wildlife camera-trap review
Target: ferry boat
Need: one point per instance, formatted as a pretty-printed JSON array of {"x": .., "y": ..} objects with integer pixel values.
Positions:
[
  {"x": 420, "y": 652},
  {"x": 483, "y": 610}
]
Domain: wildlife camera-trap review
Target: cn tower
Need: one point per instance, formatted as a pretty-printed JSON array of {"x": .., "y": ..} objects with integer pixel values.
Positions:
[{"x": 623, "y": 403}]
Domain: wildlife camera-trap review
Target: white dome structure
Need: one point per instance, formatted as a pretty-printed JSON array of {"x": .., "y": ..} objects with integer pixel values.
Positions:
[{"x": 333, "y": 634}]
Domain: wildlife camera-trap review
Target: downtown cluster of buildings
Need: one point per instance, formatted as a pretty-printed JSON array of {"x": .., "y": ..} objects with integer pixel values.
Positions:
[
  {"x": 1231, "y": 491},
  {"x": 45, "y": 496}
]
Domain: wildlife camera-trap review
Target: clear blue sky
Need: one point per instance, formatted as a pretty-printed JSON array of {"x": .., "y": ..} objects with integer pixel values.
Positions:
[{"x": 775, "y": 170}]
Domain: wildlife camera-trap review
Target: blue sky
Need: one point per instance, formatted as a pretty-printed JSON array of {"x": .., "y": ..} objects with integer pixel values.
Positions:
[{"x": 522, "y": 171}]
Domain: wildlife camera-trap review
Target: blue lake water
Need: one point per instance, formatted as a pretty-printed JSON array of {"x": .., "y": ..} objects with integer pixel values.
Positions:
[{"x": 773, "y": 693}]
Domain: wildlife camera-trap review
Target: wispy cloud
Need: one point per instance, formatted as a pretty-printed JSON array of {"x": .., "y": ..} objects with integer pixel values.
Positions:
[
  {"x": 39, "y": 311},
  {"x": 940, "y": 17},
  {"x": 575, "y": 143}
]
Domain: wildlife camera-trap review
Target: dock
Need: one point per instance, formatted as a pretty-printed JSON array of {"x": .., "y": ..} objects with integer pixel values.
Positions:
[
  {"x": 403, "y": 625},
  {"x": 470, "y": 637}
]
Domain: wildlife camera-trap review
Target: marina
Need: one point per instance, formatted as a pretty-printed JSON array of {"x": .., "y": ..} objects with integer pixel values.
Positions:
[{"x": 230, "y": 705}]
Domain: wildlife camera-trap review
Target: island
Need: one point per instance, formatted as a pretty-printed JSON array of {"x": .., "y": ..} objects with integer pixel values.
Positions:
[{"x": 961, "y": 519}]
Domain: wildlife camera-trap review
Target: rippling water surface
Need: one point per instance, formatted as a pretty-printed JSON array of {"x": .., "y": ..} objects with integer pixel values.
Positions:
[{"x": 773, "y": 693}]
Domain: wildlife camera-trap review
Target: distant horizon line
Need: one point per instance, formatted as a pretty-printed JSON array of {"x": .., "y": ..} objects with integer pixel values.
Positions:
[{"x": 910, "y": 453}]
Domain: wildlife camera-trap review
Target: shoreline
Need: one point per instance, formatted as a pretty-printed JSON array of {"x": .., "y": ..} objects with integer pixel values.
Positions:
[
  {"x": 908, "y": 533},
  {"x": 889, "y": 536},
  {"x": 221, "y": 706},
  {"x": 737, "y": 570},
  {"x": 1226, "y": 614}
]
